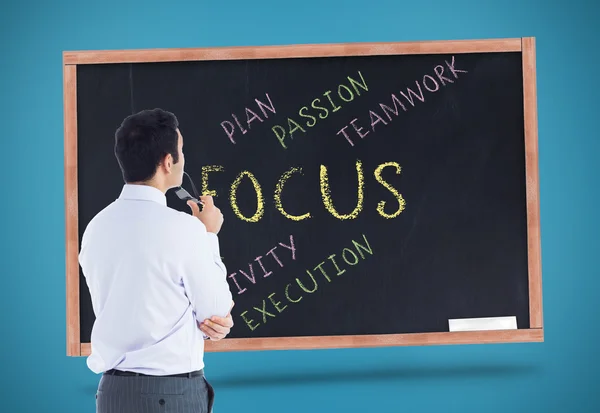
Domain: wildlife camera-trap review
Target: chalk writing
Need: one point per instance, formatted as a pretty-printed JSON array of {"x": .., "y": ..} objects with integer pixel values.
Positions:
[
  {"x": 344, "y": 93},
  {"x": 277, "y": 196},
  {"x": 325, "y": 193},
  {"x": 324, "y": 186},
  {"x": 205, "y": 170},
  {"x": 394, "y": 191},
  {"x": 411, "y": 97},
  {"x": 251, "y": 277},
  {"x": 260, "y": 203},
  {"x": 297, "y": 290},
  {"x": 251, "y": 116}
]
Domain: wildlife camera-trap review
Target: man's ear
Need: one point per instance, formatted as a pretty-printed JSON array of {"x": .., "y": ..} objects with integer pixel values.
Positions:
[{"x": 168, "y": 163}]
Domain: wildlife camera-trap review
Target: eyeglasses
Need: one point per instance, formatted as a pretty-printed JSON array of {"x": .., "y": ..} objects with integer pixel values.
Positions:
[{"x": 185, "y": 195}]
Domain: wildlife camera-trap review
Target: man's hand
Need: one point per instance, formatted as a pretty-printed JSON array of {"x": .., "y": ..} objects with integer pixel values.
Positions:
[
  {"x": 211, "y": 216},
  {"x": 217, "y": 328}
]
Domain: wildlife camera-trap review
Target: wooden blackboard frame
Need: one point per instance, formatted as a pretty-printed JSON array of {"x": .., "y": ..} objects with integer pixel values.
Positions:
[{"x": 525, "y": 45}]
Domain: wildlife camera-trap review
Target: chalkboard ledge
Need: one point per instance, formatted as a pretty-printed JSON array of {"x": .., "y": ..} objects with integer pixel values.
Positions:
[{"x": 532, "y": 335}]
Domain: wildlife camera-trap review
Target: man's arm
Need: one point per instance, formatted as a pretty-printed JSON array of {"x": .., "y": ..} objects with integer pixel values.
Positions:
[
  {"x": 217, "y": 328},
  {"x": 205, "y": 276}
]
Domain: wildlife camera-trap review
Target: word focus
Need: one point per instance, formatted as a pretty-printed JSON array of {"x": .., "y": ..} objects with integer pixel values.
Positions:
[{"x": 326, "y": 197}]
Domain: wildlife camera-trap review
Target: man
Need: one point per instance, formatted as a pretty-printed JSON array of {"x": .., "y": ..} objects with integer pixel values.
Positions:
[{"x": 155, "y": 278}]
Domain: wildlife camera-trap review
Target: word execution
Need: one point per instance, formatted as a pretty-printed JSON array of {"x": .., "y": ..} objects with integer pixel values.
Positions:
[
  {"x": 251, "y": 115},
  {"x": 317, "y": 111},
  {"x": 322, "y": 275},
  {"x": 271, "y": 258},
  {"x": 407, "y": 100}
]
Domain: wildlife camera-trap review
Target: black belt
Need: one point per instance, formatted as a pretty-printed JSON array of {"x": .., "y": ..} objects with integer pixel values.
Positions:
[{"x": 191, "y": 374}]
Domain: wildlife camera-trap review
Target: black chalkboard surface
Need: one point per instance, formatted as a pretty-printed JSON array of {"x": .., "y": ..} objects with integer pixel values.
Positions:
[{"x": 371, "y": 192}]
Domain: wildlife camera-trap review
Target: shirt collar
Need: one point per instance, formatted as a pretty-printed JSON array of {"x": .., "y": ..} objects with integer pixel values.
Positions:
[{"x": 143, "y": 193}]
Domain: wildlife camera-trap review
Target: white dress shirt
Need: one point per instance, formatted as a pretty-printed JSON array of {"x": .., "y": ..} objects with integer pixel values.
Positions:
[{"x": 152, "y": 273}]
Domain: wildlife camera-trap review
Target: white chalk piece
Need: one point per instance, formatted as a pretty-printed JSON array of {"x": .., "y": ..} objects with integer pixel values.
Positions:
[{"x": 483, "y": 323}]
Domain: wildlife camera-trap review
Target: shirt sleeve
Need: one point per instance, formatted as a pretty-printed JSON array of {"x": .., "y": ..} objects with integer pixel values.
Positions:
[{"x": 205, "y": 276}]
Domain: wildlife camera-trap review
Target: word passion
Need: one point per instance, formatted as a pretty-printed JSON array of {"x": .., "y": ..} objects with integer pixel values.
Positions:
[
  {"x": 325, "y": 192},
  {"x": 345, "y": 94},
  {"x": 329, "y": 269}
]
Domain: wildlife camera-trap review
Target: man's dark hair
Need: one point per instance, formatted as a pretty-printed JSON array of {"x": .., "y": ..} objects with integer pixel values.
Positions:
[{"x": 142, "y": 140}]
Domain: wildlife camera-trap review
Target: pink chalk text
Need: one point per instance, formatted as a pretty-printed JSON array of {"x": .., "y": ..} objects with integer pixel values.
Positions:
[
  {"x": 404, "y": 101},
  {"x": 267, "y": 263},
  {"x": 243, "y": 123}
]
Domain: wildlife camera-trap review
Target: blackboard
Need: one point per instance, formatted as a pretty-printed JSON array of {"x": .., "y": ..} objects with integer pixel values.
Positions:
[{"x": 371, "y": 192}]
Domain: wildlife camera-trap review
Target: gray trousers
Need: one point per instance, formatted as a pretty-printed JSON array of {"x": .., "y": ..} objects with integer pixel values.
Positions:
[{"x": 145, "y": 394}]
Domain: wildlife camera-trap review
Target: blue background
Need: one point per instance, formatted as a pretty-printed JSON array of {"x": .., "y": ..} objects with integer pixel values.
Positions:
[{"x": 559, "y": 375}]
